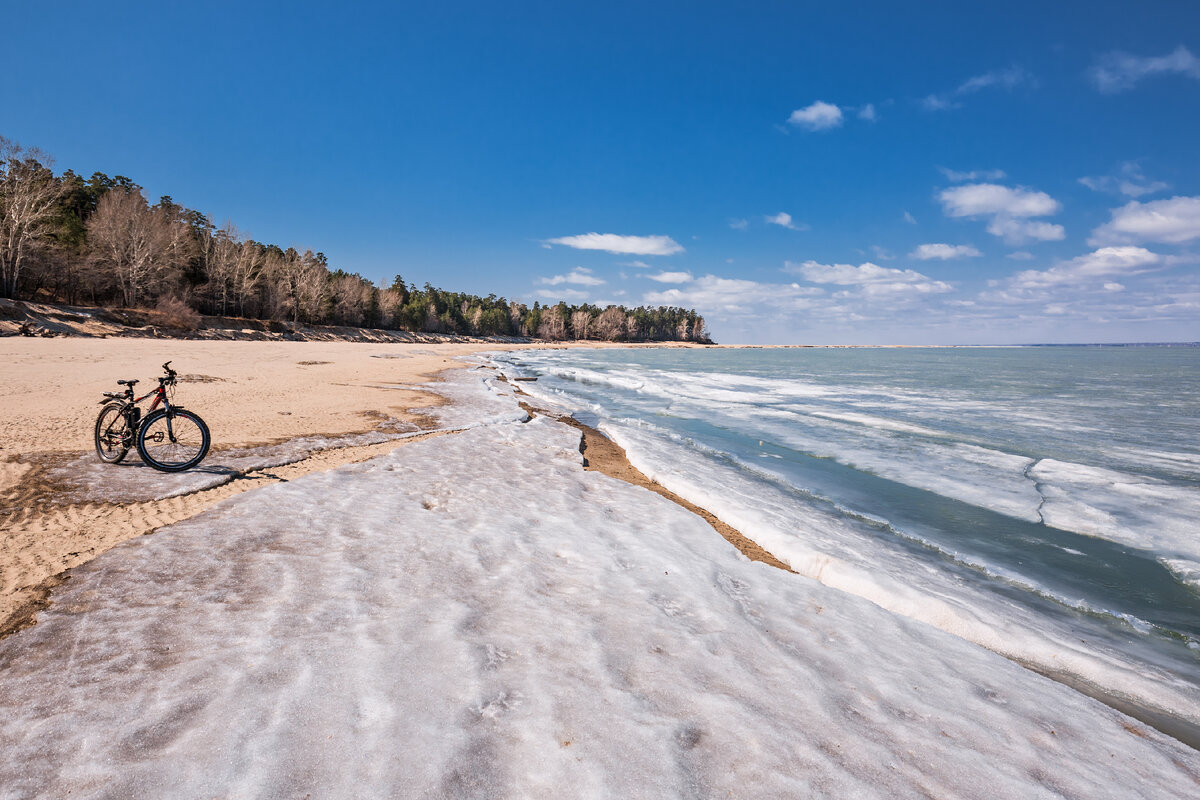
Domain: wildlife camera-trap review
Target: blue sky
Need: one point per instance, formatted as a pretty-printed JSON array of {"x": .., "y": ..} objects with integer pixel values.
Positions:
[{"x": 861, "y": 173}]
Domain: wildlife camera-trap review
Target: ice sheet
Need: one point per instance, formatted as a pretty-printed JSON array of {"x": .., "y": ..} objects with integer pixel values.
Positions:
[
  {"x": 88, "y": 479},
  {"x": 1135, "y": 510},
  {"x": 476, "y": 616},
  {"x": 956, "y": 442},
  {"x": 829, "y": 548}
]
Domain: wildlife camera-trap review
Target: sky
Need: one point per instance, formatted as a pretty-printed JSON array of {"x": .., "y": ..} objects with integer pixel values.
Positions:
[{"x": 850, "y": 173}]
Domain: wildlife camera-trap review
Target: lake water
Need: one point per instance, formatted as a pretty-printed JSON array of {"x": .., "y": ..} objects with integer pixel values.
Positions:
[{"x": 1041, "y": 502}]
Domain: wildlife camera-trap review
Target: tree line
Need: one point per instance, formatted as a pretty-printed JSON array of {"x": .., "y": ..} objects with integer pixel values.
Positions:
[{"x": 98, "y": 241}]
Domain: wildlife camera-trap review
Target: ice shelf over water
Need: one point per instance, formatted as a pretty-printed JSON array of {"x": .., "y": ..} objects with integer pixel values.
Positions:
[{"x": 474, "y": 615}]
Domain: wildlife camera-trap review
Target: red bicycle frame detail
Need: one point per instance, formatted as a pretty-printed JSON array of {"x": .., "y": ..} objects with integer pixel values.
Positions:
[{"x": 160, "y": 396}]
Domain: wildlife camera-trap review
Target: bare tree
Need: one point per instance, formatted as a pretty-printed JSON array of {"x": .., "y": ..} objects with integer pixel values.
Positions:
[
  {"x": 29, "y": 195},
  {"x": 141, "y": 247},
  {"x": 247, "y": 274},
  {"x": 391, "y": 307},
  {"x": 475, "y": 319},
  {"x": 633, "y": 331},
  {"x": 351, "y": 299},
  {"x": 516, "y": 317},
  {"x": 300, "y": 285},
  {"x": 581, "y": 323},
  {"x": 554, "y": 323},
  {"x": 610, "y": 325},
  {"x": 222, "y": 254}
]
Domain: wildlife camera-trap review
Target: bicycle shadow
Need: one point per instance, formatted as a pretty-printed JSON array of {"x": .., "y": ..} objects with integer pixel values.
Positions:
[{"x": 133, "y": 481}]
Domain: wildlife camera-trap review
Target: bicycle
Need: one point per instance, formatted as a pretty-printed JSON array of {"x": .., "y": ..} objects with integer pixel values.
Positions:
[{"x": 170, "y": 439}]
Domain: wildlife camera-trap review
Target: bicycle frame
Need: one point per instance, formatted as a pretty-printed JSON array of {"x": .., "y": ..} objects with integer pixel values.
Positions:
[{"x": 161, "y": 397}]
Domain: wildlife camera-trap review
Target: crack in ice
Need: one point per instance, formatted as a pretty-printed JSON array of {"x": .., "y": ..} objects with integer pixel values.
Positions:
[{"x": 1037, "y": 487}]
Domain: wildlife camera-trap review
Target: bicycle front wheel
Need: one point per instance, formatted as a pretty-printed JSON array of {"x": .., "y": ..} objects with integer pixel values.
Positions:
[
  {"x": 112, "y": 434},
  {"x": 172, "y": 441}
]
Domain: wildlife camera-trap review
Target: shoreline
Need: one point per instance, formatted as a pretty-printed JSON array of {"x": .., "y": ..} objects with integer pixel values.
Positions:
[
  {"x": 40, "y": 513},
  {"x": 415, "y": 603},
  {"x": 603, "y": 455}
]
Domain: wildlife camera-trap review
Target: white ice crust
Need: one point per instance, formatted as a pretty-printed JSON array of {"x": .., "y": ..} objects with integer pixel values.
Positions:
[
  {"x": 826, "y": 548},
  {"x": 1130, "y": 509},
  {"x": 474, "y": 615}
]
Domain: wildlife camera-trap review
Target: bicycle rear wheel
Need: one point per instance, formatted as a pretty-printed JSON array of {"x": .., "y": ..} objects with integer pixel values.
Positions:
[
  {"x": 173, "y": 441},
  {"x": 112, "y": 434}
]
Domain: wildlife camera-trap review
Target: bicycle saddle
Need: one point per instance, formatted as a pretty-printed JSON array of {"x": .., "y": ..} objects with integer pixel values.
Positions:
[{"x": 128, "y": 383}]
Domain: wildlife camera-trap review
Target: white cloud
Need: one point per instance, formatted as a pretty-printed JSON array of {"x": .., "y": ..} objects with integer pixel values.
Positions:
[
  {"x": 578, "y": 276},
  {"x": 1107, "y": 262},
  {"x": 819, "y": 116},
  {"x": 1113, "y": 286},
  {"x": 621, "y": 245},
  {"x": 671, "y": 277},
  {"x": 739, "y": 224},
  {"x": 735, "y": 296},
  {"x": 979, "y": 199},
  {"x": 873, "y": 279},
  {"x": 1001, "y": 78},
  {"x": 909, "y": 218},
  {"x": 1008, "y": 209},
  {"x": 1118, "y": 71},
  {"x": 1019, "y": 231},
  {"x": 1173, "y": 220},
  {"x": 1020, "y": 255},
  {"x": 867, "y": 112},
  {"x": 1128, "y": 181},
  {"x": 1005, "y": 78},
  {"x": 925, "y": 252},
  {"x": 954, "y": 176},
  {"x": 784, "y": 220},
  {"x": 882, "y": 253},
  {"x": 638, "y": 264}
]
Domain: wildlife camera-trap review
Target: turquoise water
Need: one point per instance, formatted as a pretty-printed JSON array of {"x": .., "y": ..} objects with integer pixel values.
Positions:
[{"x": 1035, "y": 500}]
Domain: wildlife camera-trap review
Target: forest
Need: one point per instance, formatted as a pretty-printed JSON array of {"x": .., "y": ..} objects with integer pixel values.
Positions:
[{"x": 98, "y": 241}]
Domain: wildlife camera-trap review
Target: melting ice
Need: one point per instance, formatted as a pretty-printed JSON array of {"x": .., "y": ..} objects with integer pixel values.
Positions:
[
  {"x": 474, "y": 615},
  {"x": 1040, "y": 502}
]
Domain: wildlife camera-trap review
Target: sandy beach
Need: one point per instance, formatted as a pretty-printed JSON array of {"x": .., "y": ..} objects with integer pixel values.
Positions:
[
  {"x": 252, "y": 395},
  {"x": 255, "y": 396}
]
